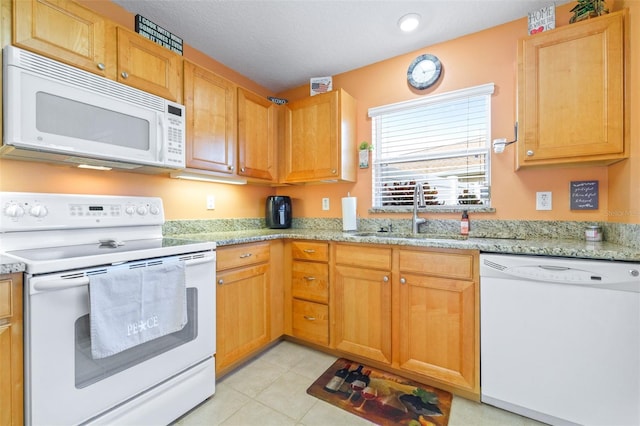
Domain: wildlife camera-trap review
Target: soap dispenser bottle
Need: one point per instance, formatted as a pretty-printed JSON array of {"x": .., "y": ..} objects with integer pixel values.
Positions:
[{"x": 464, "y": 223}]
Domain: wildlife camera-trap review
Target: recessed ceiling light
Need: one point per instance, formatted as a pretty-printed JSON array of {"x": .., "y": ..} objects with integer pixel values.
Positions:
[{"x": 409, "y": 22}]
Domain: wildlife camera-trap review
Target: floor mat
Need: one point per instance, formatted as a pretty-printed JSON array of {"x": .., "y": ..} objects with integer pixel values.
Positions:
[{"x": 381, "y": 397}]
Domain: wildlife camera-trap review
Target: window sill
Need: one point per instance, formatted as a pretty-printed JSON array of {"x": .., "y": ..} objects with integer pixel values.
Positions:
[{"x": 433, "y": 209}]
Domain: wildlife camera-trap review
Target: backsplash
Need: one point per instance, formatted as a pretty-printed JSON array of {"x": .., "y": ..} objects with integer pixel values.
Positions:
[{"x": 624, "y": 234}]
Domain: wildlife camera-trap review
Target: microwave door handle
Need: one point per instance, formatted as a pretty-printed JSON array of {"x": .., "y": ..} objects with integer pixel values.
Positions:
[
  {"x": 60, "y": 284},
  {"x": 161, "y": 138}
]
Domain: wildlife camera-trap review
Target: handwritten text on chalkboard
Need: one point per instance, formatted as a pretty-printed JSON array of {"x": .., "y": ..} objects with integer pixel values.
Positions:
[{"x": 584, "y": 195}]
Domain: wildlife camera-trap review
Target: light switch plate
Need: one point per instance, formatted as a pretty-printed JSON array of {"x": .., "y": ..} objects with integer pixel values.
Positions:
[
  {"x": 543, "y": 200},
  {"x": 211, "y": 202}
]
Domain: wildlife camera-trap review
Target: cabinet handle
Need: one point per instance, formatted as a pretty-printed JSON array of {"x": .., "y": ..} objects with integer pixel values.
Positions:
[
  {"x": 220, "y": 281},
  {"x": 245, "y": 255},
  {"x": 309, "y": 250},
  {"x": 310, "y": 278},
  {"x": 101, "y": 66},
  {"x": 308, "y": 318},
  {"x": 403, "y": 281},
  {"x": 124, "y": 74},
  {"x": 385, "y": 279},
  {"x": 530, "y": 153}
]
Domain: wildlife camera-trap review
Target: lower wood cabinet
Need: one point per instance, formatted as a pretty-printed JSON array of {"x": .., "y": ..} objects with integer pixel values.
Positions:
[
  {"x": 242, "y": 303},
  {"x": 362, "y": 302},
  {"x": 11, "y": 350},
  {"x": 437, "y": 329}
]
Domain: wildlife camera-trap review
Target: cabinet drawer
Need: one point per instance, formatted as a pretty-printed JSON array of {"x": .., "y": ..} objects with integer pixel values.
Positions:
[
  {"x": 311, "y": 321},
  {"x": 452, "y": 265},
  {"x": 6, "y": 299},
  {"x": 368, "y": 257},
  {"x": 310, "y": 281},
  {"x": 306, "y": 250},
  {"x": 241, "y": 255}
]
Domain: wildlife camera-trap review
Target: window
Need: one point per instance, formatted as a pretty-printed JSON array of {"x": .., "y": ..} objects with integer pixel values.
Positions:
[{"x": 441, "y": 142}]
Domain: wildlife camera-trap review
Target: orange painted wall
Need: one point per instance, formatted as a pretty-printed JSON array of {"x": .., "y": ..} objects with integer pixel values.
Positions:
[{"x": 484, "y": 57}]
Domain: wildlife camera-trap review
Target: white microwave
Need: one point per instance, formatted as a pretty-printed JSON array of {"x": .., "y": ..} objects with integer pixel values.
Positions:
[{"x": 57, "y": 113}]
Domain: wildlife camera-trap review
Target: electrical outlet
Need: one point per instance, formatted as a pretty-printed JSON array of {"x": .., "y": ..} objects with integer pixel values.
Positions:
[
  {"x": 325, "y": 204},
  {"x": 543, "y": 200},
  {"x": 211, "y": 202}
]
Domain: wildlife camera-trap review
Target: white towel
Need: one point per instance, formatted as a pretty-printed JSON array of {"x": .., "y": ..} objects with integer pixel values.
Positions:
[{"x": 133, "y": 306}]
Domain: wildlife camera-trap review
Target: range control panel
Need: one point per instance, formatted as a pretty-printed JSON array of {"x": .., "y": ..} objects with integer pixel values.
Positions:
[{"x": 25, "y": 211}]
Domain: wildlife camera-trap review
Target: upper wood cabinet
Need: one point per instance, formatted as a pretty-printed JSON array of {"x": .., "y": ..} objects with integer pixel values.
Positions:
[
  {"x": 571, "y": 94},
  {"x": 68, "y": 32},
  {"x": 319, "y": 141},
  {"x": 210, "y": 104},
  {"x": 257, "y": 136},
  {"x": 148, "y": 66}
]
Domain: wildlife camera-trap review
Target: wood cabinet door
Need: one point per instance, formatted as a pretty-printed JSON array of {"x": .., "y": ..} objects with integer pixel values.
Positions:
[
  {"x": 571, "y": 93},
  {"x": 437, "y": 324},
  {"x": 210, "y": 103},
  {"x": 257, "y": 136},
  {"x": 242, "y": 315},
  {"x": 148, "y": 66},
  {"x": 311, "y": 139},
  {"x": 362, "y": 323},
  {"x": 65, "y": 31},
  {"x": 11, "y": 351}
]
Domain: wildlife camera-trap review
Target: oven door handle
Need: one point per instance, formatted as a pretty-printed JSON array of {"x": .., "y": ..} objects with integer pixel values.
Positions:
[
  {"x": 62, "y": 284},
  {"x": 192, "y": 262}
]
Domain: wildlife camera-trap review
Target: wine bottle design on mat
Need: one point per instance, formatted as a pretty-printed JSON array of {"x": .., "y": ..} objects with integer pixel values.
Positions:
[
  {"x": 360, "y": 382},
  {"x": 338, "y": 379},
  {"x": 345, "y": 388}
]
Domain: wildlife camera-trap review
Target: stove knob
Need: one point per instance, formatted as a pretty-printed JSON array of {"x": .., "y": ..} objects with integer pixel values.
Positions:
[
  {"x": 14, "y": 210},
  {"x": 154, "y": 210},
  {"x": 142, "y": 210},
  {"x": 38, "y": 211},
  {"x": 130, "y": 210}
]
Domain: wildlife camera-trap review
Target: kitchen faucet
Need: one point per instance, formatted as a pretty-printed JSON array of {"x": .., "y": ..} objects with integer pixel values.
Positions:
[{"x": 418, "y": 198}]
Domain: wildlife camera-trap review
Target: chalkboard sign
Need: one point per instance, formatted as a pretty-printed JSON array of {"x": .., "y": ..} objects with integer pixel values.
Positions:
[{"x": 584, "y": 195}]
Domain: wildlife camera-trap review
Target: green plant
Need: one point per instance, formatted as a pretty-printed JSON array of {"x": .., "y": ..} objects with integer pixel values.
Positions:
[
  {"x": 364, "y": 145},
  {"x": 586, "y": 8}
]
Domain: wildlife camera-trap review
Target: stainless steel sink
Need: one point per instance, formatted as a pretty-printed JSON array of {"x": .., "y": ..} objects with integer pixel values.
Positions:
[{"x": 406, "y": 235}]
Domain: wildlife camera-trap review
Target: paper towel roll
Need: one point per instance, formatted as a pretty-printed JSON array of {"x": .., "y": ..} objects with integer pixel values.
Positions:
[{"x": 349, "y": 214}]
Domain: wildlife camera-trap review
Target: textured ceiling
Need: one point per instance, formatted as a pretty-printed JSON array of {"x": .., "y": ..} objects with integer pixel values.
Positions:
[{"x": 280, "y": 44}]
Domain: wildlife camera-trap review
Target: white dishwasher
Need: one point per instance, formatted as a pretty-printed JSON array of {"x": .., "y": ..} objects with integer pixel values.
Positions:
[{"x": 560, "y": 338}]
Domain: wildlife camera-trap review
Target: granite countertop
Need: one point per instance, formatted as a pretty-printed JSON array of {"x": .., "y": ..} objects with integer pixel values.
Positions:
[
  {"x": 546, "y": 247},
  {"x": 9, "y": 265}
]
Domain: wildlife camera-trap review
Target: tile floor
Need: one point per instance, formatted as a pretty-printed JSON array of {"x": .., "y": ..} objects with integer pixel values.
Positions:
[{"x": 271, "y": 390}]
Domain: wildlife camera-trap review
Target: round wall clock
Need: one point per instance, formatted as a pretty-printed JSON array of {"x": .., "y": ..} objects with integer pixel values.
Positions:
[{"x": 424, "y": 71}]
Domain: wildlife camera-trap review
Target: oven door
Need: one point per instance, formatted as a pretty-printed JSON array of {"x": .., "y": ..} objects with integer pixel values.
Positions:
[{"x": 65, "y": 385}]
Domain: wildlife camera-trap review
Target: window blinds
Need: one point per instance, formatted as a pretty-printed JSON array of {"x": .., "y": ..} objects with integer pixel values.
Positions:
[{"x": 441, "y": 142}]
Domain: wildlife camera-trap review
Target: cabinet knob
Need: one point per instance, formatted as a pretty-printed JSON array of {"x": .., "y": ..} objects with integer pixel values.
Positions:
[
  {"x": 245, "y": 255},
  {"x": 529, "y": 153},
  {"x": 230, "y": 168},
  {"x": 124, "y": 74},
  {"x": 310, "y": 278},
  {"x": 220, "y": 281},
  {"x": 242, "y": 169},
  {"x": 334, "y": 171},
  {"x": 385, "y": 279},
  {"x": 308, "y": 318},
  {"x": 403, "y": 281},
  {"x": 101, "y": 66}
]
